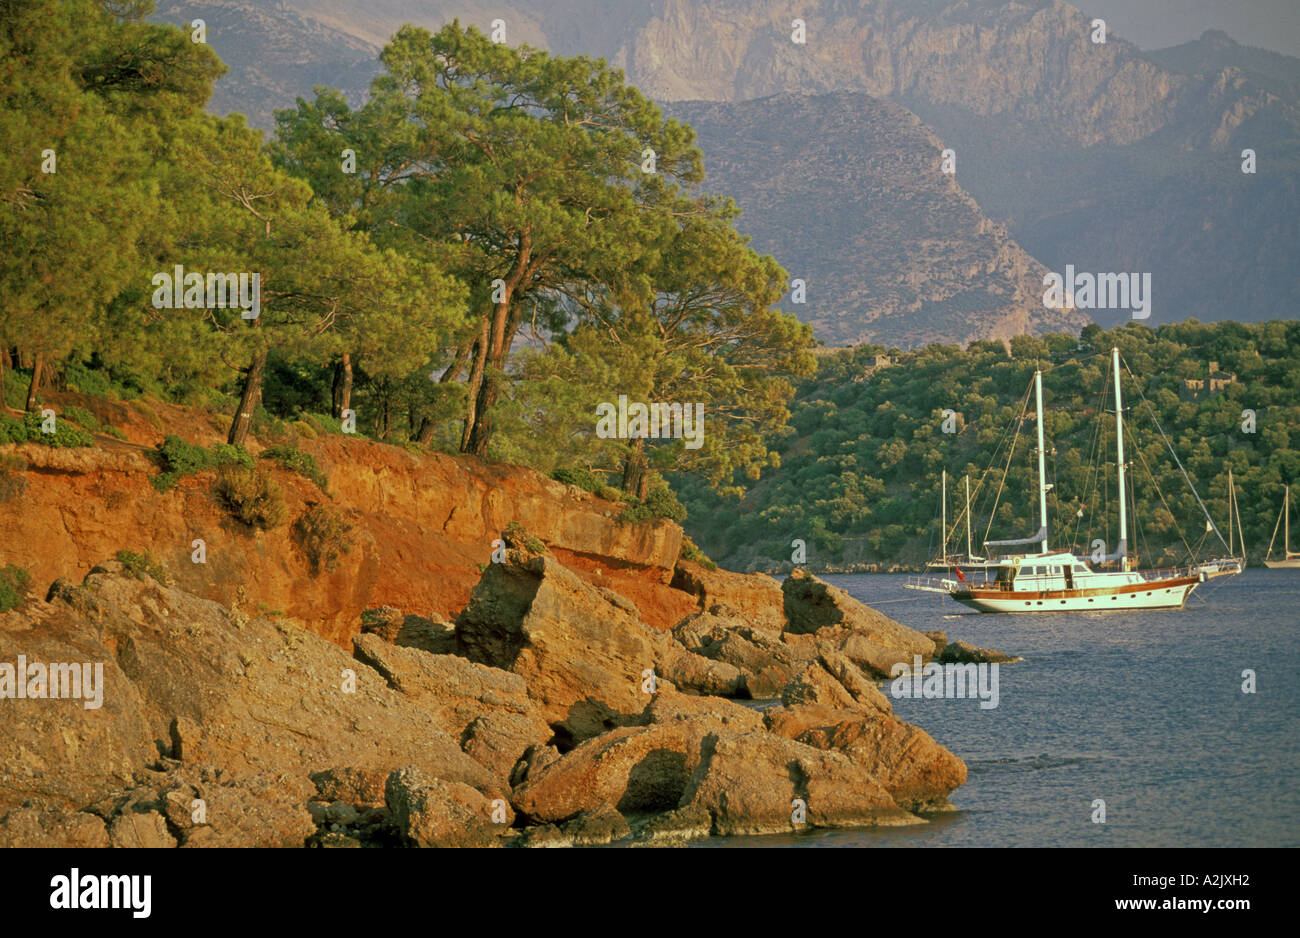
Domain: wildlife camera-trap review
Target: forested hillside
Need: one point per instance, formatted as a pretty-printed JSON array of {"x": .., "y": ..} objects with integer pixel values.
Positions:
[{"x": 861, "y": 463}]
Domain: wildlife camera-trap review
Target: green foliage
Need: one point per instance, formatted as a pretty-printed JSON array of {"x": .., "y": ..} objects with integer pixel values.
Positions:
[
  {"x": 580, "y": 476},
  {"x": 660, "y": 502},
  {"x": 251, "y": 496},
  {"x": 296, "y": 460},
  {"x": 28, "y": 430},
  {"x": 324, "y": 534},
  {"x": 140, "y": 565},
  {"x": 178, "y": 458},
  {"x": 14, "y": 581},
  {"x": 691, "y": 551},
  {"x": 81, "y": 417},
  {"x": 860, "y": 466}
]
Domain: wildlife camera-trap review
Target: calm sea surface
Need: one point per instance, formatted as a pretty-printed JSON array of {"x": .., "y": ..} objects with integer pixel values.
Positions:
[{"x": 1143, "y": 710}]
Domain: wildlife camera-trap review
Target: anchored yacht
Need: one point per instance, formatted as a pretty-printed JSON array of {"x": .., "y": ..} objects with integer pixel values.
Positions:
[{"x": 1060, "y": 581}]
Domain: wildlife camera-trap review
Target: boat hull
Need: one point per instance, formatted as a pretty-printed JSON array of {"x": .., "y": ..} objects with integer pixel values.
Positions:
[
  {"x": 1157, "y": 594},
  {"x": 1290, "y": 564}
]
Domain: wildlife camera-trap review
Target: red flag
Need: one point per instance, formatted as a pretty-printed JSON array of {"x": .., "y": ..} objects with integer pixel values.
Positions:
[{"x": 961, "y": 576}]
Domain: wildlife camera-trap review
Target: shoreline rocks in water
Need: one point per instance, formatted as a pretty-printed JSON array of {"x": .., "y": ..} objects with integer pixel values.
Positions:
[{"x": 548, "y": 715}]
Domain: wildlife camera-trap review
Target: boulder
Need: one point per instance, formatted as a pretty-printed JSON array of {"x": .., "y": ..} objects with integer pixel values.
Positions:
[
  {"x": 916, "y": 771},
  {"x": 432, "y": 812},
  {"x": 581, "y": 656},
  {"x": 33, "y": 827},
  {"x": 960, "y": 652},
  {"x": 879, "y": 642},
  {"x": 749, "y": 783},
  {"x": 637, "y": 769},
  {"x": 755, "y": 598},
  {"x": 488, "y": 709}
]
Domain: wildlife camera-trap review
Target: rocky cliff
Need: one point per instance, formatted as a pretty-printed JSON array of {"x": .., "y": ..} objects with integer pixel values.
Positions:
[{"x": 589, "y": 688}]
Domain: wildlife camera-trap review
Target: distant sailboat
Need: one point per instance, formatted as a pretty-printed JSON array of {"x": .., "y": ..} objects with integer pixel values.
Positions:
[
  {"x": 1290, "y": 560},
  {"x": 1060, "y": 581}
]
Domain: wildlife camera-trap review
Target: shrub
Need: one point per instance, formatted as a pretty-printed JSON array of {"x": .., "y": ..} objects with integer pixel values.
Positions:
[
  {"x": 13, "y": 587},
  {"x": 28, "y": 430},
  {"x": 251, "y": 496},
  {"x": 692, "y": 552},
  {"x": 610, "y": 493},
  {"x": 141, "y": 565},
  {"x": 177, "y": 458},
  {"x": 306, "y": 429},
  {"x": 83, "y": 379},
  {"x": 296, "y": 460},
  {"x": 659, "y": 503},
  {"x": 580, "y": 476},
  {"x": 12, "y": 481},
  {"x": 324, "y": 534}
]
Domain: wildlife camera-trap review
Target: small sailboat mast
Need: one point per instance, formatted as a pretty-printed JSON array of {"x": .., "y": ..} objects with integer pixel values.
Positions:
[
  {"x": 969, "y": 556},
  {"x": 1042, "y": 462},
  {"x": 1122, "y": 553}
]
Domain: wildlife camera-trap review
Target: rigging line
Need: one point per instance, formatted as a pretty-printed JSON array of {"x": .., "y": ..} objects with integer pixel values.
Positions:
[
  {"x": 1010, "y": 453},
  {"x": 1177, "y": 461},
  {"x": 1276, "y": 524},
  {"x": 1163, "y": 501}
]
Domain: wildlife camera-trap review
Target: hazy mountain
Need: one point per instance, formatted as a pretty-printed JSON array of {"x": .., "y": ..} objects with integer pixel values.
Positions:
[
  {"x": 846, "y": 190},
  {"x": 1092, "y": 154},
  {"x": 1216, "y": 50},
  {"x": 275, "y": 55}
]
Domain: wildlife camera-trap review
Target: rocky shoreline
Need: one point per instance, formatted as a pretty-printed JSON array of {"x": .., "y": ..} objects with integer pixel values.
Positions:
[{"x": 547, "y": 714}]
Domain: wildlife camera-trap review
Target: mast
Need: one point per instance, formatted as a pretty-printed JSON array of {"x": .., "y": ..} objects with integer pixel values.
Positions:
[
  {"x": 1119, "y": 462},
  {"x": 969, "y": 555},
  {"x": 1286, "y": 537},
  {"x": 1232, "y": 497},
  {"x": 1042, "y": 461},
  {"x": 943, "y": 528}
]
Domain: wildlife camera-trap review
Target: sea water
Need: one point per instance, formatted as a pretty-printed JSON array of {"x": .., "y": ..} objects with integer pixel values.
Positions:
[{"x": 1144, "y": 711}]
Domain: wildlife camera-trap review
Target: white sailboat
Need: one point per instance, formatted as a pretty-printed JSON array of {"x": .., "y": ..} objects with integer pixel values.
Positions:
[
  {"x": 1060, "y": 581},
  {"x": 1290, "y": 560}
]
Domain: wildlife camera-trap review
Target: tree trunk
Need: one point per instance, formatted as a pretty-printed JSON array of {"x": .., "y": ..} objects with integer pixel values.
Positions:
[
  {"x": 35, "y": 384},
  {"x": 386, "y": 414},
  {"x": 248, "y": 399},
  {"x": 474, "y": 384},
  {"x": 427, "y": 429},
  {"x": 458, "y": 363},
  {"x": 342, "y": 392},
  {"x": 636, "y": 471},
  {"x": 4, "y": 363}
]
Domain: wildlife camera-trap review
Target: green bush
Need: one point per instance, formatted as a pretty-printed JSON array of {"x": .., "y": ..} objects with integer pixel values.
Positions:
[
  {"x": 580, "y": 476},
  {"x": 659, "y": 503},
  {"x": 87, "y": 381},
  {"x": 28, "y": 430},
  {"x": 177, "y": 458},
  {"x": 296, "y": 460},
  {"x": 325, "y": 535},
  {"x": 141, "y": 565},
  {"x": 691, "y": 552},
  {"x": 13, "y": 587},
  {"x": 251, "y": 496}
]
